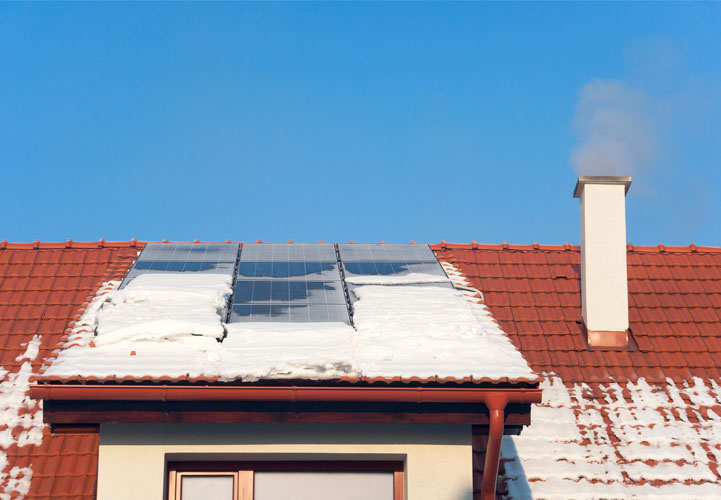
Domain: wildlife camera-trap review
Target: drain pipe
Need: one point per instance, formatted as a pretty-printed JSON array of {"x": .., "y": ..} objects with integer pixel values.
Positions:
[{"x": 496, "y": 408}]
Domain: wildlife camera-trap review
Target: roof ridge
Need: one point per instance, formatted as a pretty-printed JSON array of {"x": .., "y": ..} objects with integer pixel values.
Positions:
[
  {"x": 60, "y": 245},
  {"x": 660, "y": 248},
  {"x": 630, "y": 247}
]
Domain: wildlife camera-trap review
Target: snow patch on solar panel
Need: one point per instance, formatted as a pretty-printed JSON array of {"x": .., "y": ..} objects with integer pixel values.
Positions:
[
  {"x": 165, "y": 306},
  {"x": 407, "y": 279}
]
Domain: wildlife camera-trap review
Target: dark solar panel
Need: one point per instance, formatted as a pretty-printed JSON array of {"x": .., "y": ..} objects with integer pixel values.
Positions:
[
  {"x": 361, "y": 259},
  {"x": 296, "y": 282},
  {"x": 385, "y": 252},
  {"x": 288, "y": 252},
  {"x": 216, "y": 258},
  {"x": 185, "y": 252},
  {"x": 295, "y": 261}
]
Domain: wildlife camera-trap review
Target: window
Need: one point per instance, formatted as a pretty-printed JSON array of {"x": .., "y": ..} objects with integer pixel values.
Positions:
[{"x": 285, "y": 481}]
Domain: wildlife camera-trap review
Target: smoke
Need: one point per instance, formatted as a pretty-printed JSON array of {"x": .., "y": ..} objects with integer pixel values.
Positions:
[{"x": 614, "y": 128}]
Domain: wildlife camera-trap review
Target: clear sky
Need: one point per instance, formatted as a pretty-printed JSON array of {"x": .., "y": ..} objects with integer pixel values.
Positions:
[{"x": 364, "y": 121}]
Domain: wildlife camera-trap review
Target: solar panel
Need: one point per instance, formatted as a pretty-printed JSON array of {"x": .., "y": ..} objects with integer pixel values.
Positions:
[
  {"x": 388, "y": 259},
  {"x": 385, "y": 252},
  {"x": 295, "y": 261},
  {"x": 216, "y": 258},
  {"x": 288, "y": 252},
  {"x": 296, "y": 282},
  {"x": 190, "y": 252}
]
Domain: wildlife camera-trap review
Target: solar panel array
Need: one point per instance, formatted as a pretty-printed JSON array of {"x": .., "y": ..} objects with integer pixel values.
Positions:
[
  {"x": 216, "y": 258},
  {"x": 298, "y": 282}
]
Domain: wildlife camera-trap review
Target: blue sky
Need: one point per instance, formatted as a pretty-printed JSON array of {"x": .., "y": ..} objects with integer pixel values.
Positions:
[{"x": 364, "y": 121}]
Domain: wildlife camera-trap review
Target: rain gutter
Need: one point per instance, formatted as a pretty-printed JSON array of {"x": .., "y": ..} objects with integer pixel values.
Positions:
[{"x": 283, "y": 393}]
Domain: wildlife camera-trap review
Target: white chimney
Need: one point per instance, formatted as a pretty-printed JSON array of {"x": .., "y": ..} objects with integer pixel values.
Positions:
[{"x": 604, "y": 281}]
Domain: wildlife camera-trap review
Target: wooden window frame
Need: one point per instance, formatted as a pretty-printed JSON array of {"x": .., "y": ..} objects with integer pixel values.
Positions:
[{"x": 243, "y": 473}]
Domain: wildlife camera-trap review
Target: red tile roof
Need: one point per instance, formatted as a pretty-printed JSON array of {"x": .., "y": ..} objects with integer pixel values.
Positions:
[
  {"x": 675, "y": 319},
  {"x": 533, "y": 291},
  {"x": 42, "y": 289}
]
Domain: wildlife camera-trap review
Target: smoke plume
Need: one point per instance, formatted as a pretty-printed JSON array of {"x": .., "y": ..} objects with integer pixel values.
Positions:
[{"x": 614, "y": 129}]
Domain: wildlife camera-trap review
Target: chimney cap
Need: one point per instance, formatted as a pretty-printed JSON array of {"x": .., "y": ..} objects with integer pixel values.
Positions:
[{"x": 600, "y": 179}]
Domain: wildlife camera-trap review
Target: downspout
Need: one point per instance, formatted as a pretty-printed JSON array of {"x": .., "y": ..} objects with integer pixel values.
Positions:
[{"x": 496, "y": 408}]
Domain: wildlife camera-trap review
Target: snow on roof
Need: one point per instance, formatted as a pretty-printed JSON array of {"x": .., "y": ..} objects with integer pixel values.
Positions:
[
  {"x": 637, "y": 440},
  {"x": 22, "y": 421},
  {"x": 172, "y": 325}
]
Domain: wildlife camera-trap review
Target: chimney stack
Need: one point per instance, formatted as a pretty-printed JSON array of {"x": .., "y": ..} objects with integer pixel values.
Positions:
[{"x": 604, "y": 280}]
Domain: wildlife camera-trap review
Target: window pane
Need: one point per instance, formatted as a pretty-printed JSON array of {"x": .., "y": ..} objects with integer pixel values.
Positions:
[
  {"x": 323, "y": 486},
  {"x": 206, "y": 488}
]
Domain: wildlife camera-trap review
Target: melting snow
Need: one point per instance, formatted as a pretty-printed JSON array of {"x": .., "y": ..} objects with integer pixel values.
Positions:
[
  {"x": 407, "y": 279},
  {"x": 21, "y": 422},
  {"x": 614, "y": 448},
  {"x": 429, "y": 331},
  {"x": 165, "y": 306},
  {"x": 171, "y": 325}
]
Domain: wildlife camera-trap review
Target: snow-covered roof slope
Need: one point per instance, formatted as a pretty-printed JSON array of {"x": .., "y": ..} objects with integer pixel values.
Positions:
[
  {"x": 172, "y": 325},
  {"x": 618, "y": 441}
]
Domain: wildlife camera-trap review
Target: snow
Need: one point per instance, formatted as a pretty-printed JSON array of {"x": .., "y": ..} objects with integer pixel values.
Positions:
[
  {"x": 21, "y": 421},
  {"x": 407, "y": 279},
  {"x": 171, "y": 325},
  {"x": 256, "y": 351},
  {"x": 614, "y": 448},
  {"x": 165, "y": 306},
  {"x": 429, "y": 331}
]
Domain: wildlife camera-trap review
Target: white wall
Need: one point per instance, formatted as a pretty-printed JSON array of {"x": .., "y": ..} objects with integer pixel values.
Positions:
[{"x": 132, "y": 457}]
